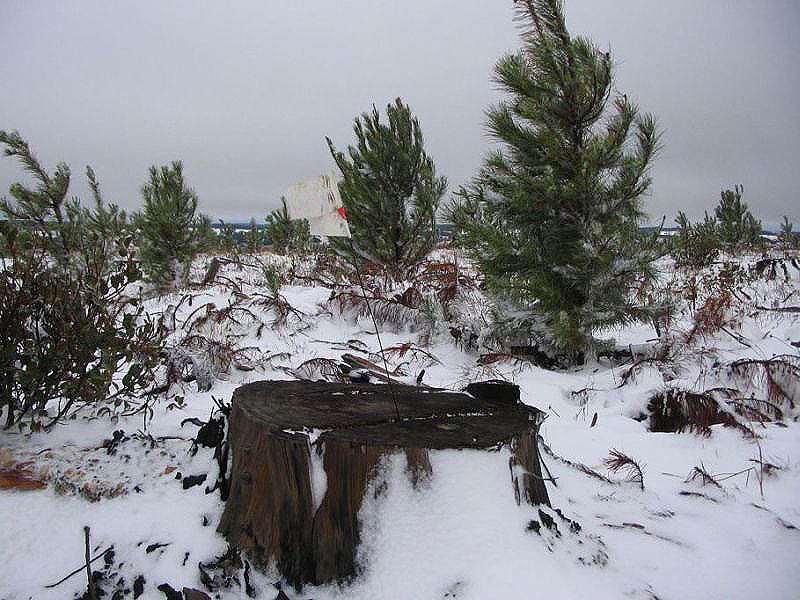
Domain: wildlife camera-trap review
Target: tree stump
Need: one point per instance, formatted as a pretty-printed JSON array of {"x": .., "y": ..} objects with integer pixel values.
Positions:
[{"x": 304, "y": 453}]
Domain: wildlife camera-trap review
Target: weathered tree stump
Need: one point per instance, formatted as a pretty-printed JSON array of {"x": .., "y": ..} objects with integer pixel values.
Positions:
[{"x": 276, "y": 510}]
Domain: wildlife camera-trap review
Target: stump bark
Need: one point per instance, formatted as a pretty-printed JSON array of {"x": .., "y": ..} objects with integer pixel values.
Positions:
[{"x": 281, "y": 431}]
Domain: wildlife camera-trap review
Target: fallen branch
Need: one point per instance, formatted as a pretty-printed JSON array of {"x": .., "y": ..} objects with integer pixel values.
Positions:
[
  {"x": 619, "y": 461},
  {"x": 92, "y": 590},
  {"x": 79, "y": 569},
  {"x": 782, "y": 522},
  {"x": 641, "y": 528},
  {"x": 378, "y": 372},
  {"x": 697, "y": 495},
  {"x": 575, "y": 465},
  {"x": 549, "y": 474},
  {"x": 700, "y": 472},
  {"x": 781, "y": 309}
]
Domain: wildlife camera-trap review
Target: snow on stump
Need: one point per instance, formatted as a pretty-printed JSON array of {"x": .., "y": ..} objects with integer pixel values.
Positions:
[{"x": 303, "y": 455}]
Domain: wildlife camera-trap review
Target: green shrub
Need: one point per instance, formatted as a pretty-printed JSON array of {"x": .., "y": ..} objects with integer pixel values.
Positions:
[
  {"x": 70, "y": 340},
  {"x": 70, "y": 336}
]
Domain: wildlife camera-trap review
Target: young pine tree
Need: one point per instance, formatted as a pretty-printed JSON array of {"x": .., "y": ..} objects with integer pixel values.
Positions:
[
  {"x": 253, "y": 237},
  {"x": 227, "y": 238},
  {"x": 207, "y": 238},
  {"x": 552, "y": 219},
  {"x": 787, "y": 238},
  {"x": 106, "y": 221},
  {"x": 43, "y": 208},
  {"x": 737, "y": 228},
  {"x": 389, "y": 189},
  {"x": 695, "y": 245},
  {"x": 286, "y": 234},
  {"x": 167, "y": 223}
]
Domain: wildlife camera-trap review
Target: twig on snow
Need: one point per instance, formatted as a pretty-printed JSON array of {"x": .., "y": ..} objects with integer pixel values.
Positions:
[
  {"x": 92, "y": 591},
  {"x": 79, "y": 569}
]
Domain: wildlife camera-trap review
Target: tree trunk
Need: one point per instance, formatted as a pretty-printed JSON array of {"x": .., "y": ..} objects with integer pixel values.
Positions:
[{"x": 303, "y": 455}]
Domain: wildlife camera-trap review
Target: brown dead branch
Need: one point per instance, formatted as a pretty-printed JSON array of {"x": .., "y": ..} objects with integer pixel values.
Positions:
[
  {"x": 710, "y": 317},
  {"x": 706, "y": 478},
  {"x": 414, "y": 351},
  {"x": 280, "y": 306},
  {"x": 780, "y": 309},
  {"x": 779, "y": 375},
  {"x": 375, "y": 370},
  {"x": 575, "y": 465},
  {"x": 492, "y": 358},
  {"x": 619, "y": 461},
  {"x": 397, "y": 310},
  {"x": 320, "y": 368},
  {"x": 675, "y": 411}
]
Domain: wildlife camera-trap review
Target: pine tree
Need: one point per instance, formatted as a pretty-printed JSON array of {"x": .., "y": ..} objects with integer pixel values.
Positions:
[
  {"x": 71, "y": 233},
  {"x": 787, "y": 238},
  {"x": 697, "y": 245},
  {"x": 227, "y": 239},
  {"x": 107, "y": 221},
  {"x": 44, "y": 208},
  {"x": 105, "y": 227},
  {"x": 253, "y": 237},
  {"x": 167, "y": 225},
  {"x": 552, "y": 218},
  {"x": 207, "y": 238},
  {"x": 389, "y": 189},
  {"x": 737, "y": 228},
  {"x": 286, "y": 234}
]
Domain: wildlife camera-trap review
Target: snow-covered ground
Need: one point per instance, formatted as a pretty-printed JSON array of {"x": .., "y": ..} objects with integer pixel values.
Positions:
[{"x": 462, "y": 535}]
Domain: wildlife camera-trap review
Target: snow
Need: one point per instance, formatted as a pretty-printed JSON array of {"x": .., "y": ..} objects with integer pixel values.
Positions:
[{"x": 460, "y": 534}]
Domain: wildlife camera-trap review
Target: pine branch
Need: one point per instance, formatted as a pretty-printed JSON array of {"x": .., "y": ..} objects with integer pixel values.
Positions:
[{"x": 618, "y": 461}]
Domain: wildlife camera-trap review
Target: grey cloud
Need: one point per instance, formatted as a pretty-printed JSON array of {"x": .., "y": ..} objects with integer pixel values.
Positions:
[{"x": 245, "y": 92}]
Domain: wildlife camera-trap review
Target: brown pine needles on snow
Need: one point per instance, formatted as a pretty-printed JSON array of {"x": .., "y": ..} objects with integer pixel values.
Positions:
[{"x": 619, "y": 461}]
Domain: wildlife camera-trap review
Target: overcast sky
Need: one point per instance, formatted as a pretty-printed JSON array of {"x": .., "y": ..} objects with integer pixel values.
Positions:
[{"x": 245, "y": 92}]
